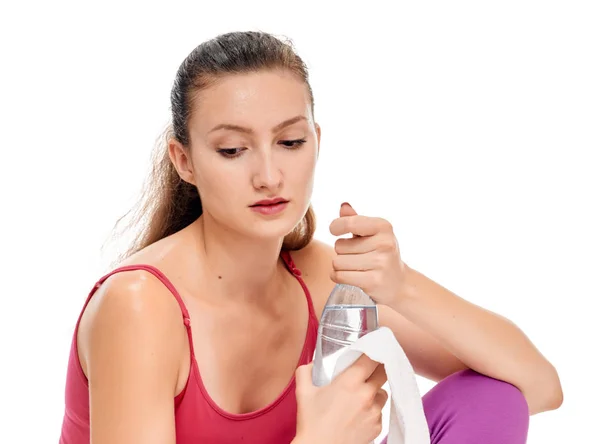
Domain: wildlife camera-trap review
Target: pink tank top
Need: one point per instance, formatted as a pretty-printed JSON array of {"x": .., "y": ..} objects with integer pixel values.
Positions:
[{"x": 198, "y": 419}]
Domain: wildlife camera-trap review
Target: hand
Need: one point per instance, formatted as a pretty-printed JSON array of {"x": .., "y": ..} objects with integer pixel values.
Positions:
[
  {"x": 370, "y": 259},
  {"x": 346, "y": 411}
]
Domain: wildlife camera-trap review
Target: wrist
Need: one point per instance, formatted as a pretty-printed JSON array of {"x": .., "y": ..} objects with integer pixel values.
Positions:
[
  {"x": 304, "y": 438},
  {"x": 299, "y": 439},
  {"x": 406, "y": 289}
]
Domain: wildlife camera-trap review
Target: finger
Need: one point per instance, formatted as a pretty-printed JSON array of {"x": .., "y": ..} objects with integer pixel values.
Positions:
[
  {"x": 347, "y": 210},
  {"x": 361, "y": 279},
  {"x": 359, "y": 371},
  {"x": 358, "y": 225},
  {"x": 378, "y": 428},
  {"x": 357, "y": 262},
  {"x": 356, "y": 245},
  {"x": 381, "y": 398},
  {"x": 304, "y": 377},
  {"x": 378, "y": 377}
]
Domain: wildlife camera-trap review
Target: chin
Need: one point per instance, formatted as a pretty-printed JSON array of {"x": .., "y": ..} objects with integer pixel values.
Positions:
[{"x": 272, "y": 229}]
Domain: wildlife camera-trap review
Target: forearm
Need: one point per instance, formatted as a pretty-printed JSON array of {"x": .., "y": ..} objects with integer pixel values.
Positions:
[{"x": 484, "y": 341}]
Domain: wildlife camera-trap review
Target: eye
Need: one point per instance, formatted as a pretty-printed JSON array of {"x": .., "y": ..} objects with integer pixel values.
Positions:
[
  {"x": 293, "y": 144},
  {"x": 230, "y": 152}
]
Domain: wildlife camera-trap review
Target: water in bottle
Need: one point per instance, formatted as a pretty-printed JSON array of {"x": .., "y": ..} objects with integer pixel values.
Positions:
[{"x": 348, "y": 315}]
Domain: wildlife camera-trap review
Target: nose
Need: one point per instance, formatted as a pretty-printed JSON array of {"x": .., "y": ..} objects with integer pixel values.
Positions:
[{"x": 267, "y": 174}]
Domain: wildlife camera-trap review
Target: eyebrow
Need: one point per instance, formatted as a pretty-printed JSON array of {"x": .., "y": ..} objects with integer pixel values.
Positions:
[{"x": 241, "y": 129}]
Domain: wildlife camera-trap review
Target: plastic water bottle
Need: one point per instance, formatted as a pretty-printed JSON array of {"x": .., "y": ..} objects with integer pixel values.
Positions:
[{"x": 348, "y": 315}]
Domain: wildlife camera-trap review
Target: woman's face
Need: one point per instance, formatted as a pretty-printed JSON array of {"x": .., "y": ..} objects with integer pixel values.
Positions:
[{"x": 271, "y": 156}]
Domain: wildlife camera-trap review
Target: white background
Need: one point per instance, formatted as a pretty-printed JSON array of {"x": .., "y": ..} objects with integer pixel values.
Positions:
[{"x": 474, "y": 127}]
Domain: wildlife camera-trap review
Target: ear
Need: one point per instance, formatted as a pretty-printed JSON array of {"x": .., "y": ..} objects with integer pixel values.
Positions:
[
  {"x": 180, "y": 158},
  {"x": 318, "y": 129}
]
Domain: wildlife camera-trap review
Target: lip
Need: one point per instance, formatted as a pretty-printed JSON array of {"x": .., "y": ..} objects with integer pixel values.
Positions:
[
  {"x": 269, "y": 207},
  {"x": 266, "y": 202}
]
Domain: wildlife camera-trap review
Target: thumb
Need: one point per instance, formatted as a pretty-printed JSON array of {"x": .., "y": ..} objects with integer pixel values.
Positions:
[
  {"x": 304, "y": 377},
  {"x": 347, "y": 210}
]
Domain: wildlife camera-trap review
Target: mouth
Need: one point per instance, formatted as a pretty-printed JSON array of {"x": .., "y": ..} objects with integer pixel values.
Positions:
[
  {"x": 269, "y": 207},
  {"x": 269, "y": 202}
]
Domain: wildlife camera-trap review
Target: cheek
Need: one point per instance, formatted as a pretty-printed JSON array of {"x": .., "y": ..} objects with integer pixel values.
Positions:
[
  {"x": 213, "y": 188},
  {"x": 302, "y": 169},
  {"x": 211, "y": 184}
]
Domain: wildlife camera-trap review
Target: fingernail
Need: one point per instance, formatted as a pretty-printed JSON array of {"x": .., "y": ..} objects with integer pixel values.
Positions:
[{"x": 345, "y": 203}]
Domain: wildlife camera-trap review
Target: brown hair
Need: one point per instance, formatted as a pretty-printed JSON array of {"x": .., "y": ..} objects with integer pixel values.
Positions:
[{"x": 168, "y": 203}]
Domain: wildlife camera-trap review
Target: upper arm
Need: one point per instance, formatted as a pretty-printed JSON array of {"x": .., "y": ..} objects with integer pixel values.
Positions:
[
  {"x": 130, "y": 350},
  {"x": 427, "y": 356}
]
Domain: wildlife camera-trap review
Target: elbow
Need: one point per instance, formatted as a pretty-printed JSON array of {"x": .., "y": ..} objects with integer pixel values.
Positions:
[
  {"x": 546, "y": 394},
  {"x": 557, "y": 392}
]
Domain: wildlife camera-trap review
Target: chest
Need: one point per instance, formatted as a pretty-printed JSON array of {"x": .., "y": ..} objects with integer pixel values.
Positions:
[{"x": 247, "y": 359}]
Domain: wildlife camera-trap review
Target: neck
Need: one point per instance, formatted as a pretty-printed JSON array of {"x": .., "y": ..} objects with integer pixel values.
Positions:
[{"x": 239, "y": 268}]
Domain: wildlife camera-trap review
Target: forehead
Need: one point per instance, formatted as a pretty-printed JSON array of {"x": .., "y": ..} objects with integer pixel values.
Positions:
[{"x": 259, "y": 100}]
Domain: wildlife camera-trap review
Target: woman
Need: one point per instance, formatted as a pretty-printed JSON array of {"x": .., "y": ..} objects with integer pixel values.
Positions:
[{"x": 205, "y": 331}]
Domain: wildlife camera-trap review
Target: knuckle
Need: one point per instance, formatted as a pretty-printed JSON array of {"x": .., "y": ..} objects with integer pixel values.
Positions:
[
  {"x": 384, "y": 224},
  {"x": 378, "y": 427},
  {"x": 334, "y": 275},
  {"x": 376, "y": 279},
  {"x": 366, "y": 398},
  {"x": 382, "y": 398},
  {"x": 385, "y": 395},
  {"x": 387, "y": 244},
  {"x": 376, "y": 423},
  {"x": 377, "y": 417},
  {"x": 380, "y": 261}
]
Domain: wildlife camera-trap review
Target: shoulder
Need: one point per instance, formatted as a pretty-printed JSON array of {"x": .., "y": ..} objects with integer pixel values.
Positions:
[
  {"x": 315, "y": 254},
  {"x": 133, "y": 296},
  {"x": 132, "y": 313},
  {"x": 132, "y": 341},
  {"x": 315, "y": 261}
]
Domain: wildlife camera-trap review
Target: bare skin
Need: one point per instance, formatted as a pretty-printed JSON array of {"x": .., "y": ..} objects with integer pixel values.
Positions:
[
  {"x": 135, "y": 304},
  {"x": 248, "y": 313},
  {"x": 132, "y": 343}
]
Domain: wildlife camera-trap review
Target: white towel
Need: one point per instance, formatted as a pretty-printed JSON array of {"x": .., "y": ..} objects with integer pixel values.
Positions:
[{"x": 408, "y": 424}]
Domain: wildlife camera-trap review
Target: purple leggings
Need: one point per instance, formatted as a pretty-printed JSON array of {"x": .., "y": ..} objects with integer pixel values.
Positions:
[{"x": 470, "y": 408}]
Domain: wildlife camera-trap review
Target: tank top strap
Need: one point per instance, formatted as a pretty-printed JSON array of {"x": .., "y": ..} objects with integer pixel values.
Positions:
[
  {"x": 165, "y": 281},
  {"x": 289, "y": 262},
  {"x": 158, "y": 274}
]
